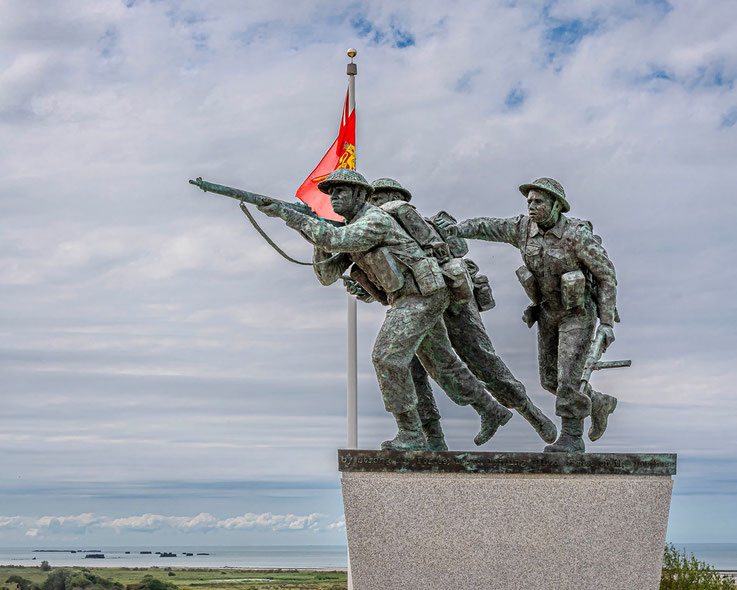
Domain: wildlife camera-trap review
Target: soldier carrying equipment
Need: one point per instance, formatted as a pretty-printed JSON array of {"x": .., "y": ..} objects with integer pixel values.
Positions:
[
  {"x": 571, "y": 282},
  {"x": 471, "y": 294}
]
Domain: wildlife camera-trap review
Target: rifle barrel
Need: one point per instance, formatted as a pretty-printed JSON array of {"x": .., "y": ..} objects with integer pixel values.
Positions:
[
  {"x": 233, "y": 193},
  {"x": 257, "y": 199}
]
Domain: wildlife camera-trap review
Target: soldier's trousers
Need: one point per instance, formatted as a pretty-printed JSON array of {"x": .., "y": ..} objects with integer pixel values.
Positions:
[
  {"x": 414, "y": 325},
  {"x": 563, "y": 343},
  {"x": 471, "y": 342}
]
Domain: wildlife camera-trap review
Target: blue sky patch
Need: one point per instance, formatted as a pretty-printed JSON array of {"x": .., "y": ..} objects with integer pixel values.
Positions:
[
  {"x": 714, "y": 75},
  {"x": 464, "y": 84},
  {"x": 396, "y": 35},
  {"x": 569, "y": 32},
  {"x": 655, "y": 77},
  {"x": 562, "y": 35},
  {"x": 730, "y": 118},
  {"x": 662, "y": 5},
  {"x": 515, "y": 98},
  {"x": 403, "y": 39},
  {"x": 108, "y": 42},
  {"x": 366, "y": 29},
  {"x": 188, "y": 17},
  {"x": 660, "y": 75}
]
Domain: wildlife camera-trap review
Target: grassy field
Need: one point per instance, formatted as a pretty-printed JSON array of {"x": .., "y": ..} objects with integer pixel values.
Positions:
[{"x": 200, "y": 579}]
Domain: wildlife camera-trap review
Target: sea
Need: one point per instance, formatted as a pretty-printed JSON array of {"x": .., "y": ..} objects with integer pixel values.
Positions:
[
  {"x": 243, "y": 557},
  {"x": 721, "y": 556}
]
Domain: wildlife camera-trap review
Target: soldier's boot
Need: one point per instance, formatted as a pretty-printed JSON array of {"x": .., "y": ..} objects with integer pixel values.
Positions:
[
  {"x": 410, "y": 436},
  {"x": 543, "y": 425},
  {"x": 570, "y": 439},
  {"x": 601, "y": 406},
  {"x": 493, "y": 415},
  {"x": 434, "y": 435}
]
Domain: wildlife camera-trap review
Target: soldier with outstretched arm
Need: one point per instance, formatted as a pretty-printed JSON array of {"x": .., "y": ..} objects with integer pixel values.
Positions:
[
  {"x": 571, "y": 281},
  {"x": 373, "y": 241},
  {"x": 465, "y": 328}
]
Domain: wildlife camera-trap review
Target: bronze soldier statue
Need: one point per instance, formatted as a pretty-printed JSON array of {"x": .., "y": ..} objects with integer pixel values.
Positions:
[
  {"x": 373, "y": 241},
  {"x": 465, "y": 327},
  {"x": 569, "y": 278}
]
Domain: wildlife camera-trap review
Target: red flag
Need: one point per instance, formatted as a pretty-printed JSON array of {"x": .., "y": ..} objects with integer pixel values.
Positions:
[{"x": 342, "y": 154}]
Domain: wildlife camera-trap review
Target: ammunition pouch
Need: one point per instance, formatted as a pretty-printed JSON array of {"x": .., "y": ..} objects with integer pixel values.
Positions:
[
  {"x": 458, "y": 281},
  {"x": 529, "y": 284},
  {"x": 481, "y": 287},
  {"x": 441, "y": 251},
  {"x": 482, "y": 293},
  {"x": 384, "y": 266},
  {"x": 428, "y": 275},
  {"x": 372, "y": 289},
  {"x": 573, "y": 290}
]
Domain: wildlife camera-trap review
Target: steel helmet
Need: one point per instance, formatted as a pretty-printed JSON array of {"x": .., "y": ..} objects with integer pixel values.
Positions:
[
  {"x": 343, "y": 176},
  {"x": 389, "y": 184},
  {"x": 550, "y": 186}
]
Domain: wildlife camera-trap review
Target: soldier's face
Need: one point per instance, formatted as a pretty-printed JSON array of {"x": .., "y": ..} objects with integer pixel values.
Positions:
[
  {"x": 342, "y": 199},
  {"x": 539, "y": 204},
  {"x": 382, "y": 197}
]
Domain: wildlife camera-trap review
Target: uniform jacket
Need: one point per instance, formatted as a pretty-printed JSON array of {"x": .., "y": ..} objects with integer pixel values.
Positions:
[
  {"x": 370, "y": 229},
  {"x": 569, "y": 245}
]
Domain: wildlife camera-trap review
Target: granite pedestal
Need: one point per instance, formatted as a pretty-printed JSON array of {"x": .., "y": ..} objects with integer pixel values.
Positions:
[{"x": 509, "y": 521}]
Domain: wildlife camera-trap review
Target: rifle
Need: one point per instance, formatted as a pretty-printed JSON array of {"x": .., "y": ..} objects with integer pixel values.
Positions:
[
  {"x": 257, "y": 199},
  {"x": 594, "y": 362}
]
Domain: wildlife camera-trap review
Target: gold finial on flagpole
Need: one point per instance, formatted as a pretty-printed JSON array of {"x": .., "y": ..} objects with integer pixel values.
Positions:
[{"x": 351, "y": 68}]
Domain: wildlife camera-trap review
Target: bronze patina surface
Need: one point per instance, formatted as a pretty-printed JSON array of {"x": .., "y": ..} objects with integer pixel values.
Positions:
[{"x": 359, "y": 460}]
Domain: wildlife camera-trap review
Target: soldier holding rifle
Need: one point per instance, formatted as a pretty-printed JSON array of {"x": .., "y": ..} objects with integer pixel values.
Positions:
[
  {"x": 373, "y": 241},
  {"x": 571, "y": 281}
]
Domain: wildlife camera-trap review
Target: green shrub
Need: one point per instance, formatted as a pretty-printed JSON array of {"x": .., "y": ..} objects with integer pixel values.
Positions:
[
  {"x": 45, "y": 567},
  {"x": 23, "y": 584},
  {"x": 151, "y": 583},
  {"x": 685, "y": 572}
]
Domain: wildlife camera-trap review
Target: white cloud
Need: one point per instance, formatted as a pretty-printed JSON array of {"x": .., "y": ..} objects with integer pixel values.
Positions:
[
  {"x": 273, "y": 521},
  {"x": 153, "y": 522},
  {"x": 47, "y": 526}
]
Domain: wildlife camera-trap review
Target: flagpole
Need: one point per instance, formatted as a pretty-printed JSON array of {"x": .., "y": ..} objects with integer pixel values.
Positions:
[
  {"x": 352, "y": 344},
  {"x": 352, "y": 348}
]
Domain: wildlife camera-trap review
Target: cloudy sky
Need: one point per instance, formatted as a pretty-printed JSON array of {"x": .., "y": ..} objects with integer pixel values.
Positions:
[{"x": 166, "y": 377}]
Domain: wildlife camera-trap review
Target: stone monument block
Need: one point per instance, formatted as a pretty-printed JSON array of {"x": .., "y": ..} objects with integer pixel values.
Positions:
[{"x": 458, "y": 521}]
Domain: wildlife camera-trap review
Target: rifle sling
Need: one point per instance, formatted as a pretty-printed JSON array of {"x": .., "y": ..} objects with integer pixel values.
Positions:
[{"x": 277, "y": 248}]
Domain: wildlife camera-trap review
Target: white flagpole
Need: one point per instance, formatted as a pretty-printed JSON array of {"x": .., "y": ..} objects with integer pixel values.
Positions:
[
  {"x": 352, "y": 345},
  {"x": 352, "y": 348}
]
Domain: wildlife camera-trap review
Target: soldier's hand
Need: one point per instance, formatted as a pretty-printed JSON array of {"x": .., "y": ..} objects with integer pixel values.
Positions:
[
  {"x": 353, "y": 287},
  {"x": 273, "y": 210},
  {"x": 531, "y": 315},
  {"x": 607, "y": 332},
  {"x": 448, "y": 226}
]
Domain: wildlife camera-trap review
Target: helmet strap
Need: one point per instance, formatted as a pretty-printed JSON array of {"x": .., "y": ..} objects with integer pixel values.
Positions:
[{"x": 553, "y": 216}]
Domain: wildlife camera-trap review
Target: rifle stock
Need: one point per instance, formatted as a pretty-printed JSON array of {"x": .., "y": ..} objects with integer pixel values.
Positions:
[{"x": 594, "y": 362}]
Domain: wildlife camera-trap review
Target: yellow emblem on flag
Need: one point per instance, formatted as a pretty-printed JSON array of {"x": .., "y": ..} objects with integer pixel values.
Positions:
[
  {"x": 347, "y": 160},
  {"x": 348, "y": 157}
]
